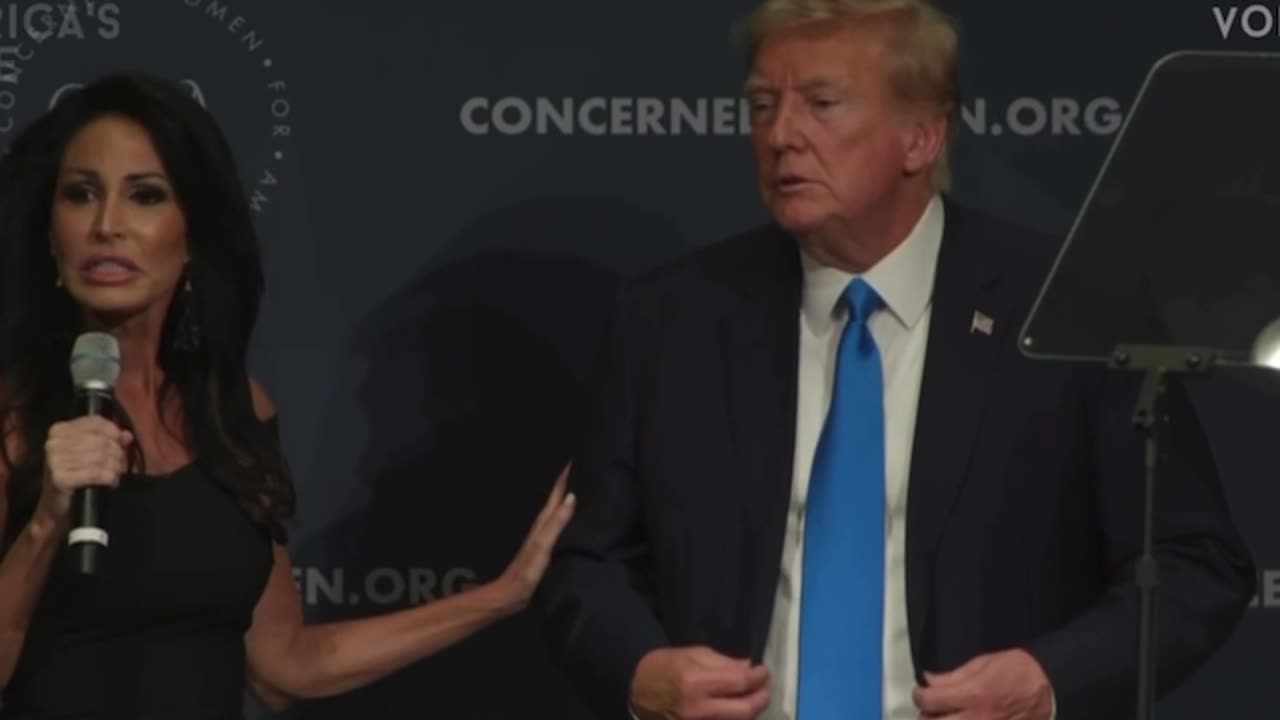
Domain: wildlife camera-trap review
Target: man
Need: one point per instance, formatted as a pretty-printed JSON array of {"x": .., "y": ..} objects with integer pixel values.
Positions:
[{"x": 821, "y": 480}]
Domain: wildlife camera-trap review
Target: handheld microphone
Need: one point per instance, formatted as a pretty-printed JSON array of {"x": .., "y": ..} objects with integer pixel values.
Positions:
[{"x": 95, "y": 366}]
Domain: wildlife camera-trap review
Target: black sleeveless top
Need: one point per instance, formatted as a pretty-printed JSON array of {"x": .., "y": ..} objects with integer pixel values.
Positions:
[{"x": 160, "y": 632}]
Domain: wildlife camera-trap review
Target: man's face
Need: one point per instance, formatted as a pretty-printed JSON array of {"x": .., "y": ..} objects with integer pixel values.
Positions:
[{"x": 830, "y": 140}]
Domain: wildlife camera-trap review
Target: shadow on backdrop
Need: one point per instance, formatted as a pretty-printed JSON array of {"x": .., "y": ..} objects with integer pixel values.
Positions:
[{"x": 471, "y": 386}]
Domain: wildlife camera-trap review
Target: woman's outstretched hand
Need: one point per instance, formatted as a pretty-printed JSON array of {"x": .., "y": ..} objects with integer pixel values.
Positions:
[{"x": 522, "y": 576}]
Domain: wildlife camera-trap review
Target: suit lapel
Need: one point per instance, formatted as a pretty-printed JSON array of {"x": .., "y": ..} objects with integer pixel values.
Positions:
[
  {"x": 761, "y": 348},
  {"x": 959, "y": 362}
]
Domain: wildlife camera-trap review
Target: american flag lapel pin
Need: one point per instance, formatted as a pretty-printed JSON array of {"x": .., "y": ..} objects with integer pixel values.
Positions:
[{"x": 982, "y": 323}]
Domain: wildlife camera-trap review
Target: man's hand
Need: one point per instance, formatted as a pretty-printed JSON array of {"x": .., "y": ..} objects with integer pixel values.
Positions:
[
  {"x": 698, "y": 683},
  {"x": 1008, "y": 685}
]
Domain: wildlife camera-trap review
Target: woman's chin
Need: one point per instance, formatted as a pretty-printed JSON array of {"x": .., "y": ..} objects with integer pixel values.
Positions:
[{"x": 112, "y": 302}]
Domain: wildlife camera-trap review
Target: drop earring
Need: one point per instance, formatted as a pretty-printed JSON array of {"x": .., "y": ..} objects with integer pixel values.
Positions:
[{"x": 187, "y": 332}]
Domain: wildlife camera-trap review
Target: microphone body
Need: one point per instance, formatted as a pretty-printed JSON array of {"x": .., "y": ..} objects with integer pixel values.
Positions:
[
  {"x": 95, "y": 367},
  {"x": 88, "y": 536}
]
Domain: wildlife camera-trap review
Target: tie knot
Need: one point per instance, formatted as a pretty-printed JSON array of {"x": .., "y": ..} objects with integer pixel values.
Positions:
[{"x": 860, "y": 300}]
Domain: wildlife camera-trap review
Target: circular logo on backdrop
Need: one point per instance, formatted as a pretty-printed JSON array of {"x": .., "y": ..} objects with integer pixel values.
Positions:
[{"x": 211, "y": 48}]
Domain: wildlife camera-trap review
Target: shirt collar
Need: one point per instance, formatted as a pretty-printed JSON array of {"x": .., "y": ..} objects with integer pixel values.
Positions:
[{"x": 903, "y": 279}]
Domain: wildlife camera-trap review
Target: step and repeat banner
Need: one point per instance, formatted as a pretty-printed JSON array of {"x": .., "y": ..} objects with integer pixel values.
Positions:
[{"x": 449, "y": 192}]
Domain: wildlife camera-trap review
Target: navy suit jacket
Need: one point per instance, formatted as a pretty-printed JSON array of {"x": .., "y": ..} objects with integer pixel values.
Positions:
[{"x": 1025, "y": 495}]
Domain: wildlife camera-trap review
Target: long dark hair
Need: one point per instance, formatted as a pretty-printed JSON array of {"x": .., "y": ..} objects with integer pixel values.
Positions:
[{"x": 39, "y": 321}]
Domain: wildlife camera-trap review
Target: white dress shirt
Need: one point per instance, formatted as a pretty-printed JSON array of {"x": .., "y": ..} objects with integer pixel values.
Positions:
[{"x": 904, "y": 281}]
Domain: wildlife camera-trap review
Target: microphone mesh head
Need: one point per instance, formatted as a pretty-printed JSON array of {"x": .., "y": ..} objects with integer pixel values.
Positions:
[{"x": 95, "y": 361}]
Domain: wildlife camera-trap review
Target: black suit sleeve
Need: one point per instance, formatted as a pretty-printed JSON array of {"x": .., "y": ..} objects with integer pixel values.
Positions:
[
  {"x": 597, "y": 596},
  {"x": 1205, "y": 572}
]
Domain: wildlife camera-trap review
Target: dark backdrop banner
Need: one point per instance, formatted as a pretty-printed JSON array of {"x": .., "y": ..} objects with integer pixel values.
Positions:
[{"x": 447, "y": 194}]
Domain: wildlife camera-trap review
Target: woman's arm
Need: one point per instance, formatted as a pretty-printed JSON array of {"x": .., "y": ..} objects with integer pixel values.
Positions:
[
  {"x": 22, "y": 578},
  {"x": 270, "y": 700},
  {"x": 78, "y": 453},
  {"x": 289, "y": 658},
  {"x": 25, "y": 564}
]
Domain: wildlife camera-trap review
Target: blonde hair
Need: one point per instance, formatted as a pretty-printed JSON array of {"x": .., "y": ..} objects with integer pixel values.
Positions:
[{"x": 922, "y": 43}]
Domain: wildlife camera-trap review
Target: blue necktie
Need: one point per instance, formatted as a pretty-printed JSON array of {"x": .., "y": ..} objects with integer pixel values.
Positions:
[{"x": 842, "y": 595}]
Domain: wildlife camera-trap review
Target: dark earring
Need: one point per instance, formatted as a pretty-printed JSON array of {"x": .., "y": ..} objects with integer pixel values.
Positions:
[{"x": 187, "y": 333}]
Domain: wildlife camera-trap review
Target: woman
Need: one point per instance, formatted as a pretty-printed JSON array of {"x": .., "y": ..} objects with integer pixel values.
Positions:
[{"x": 121, "y": 211}]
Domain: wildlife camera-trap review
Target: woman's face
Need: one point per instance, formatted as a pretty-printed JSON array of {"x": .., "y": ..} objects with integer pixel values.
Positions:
[{"x": 119, "y": 236}]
